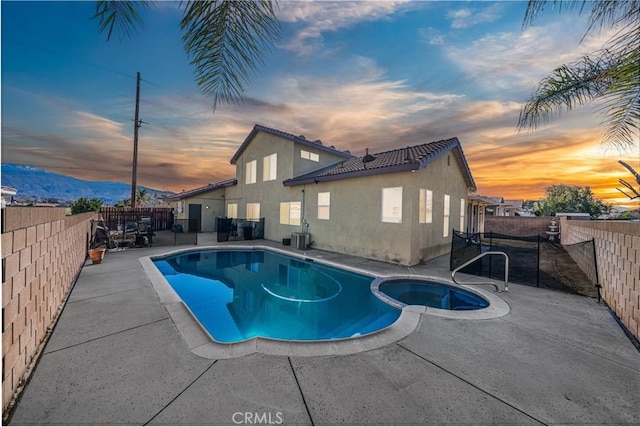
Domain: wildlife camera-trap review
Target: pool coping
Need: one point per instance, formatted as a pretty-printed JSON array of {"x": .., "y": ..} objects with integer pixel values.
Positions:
[{"x": 201, "y": 343}]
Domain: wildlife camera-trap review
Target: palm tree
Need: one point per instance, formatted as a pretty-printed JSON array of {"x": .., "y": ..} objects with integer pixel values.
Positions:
[
  {"x": 610, "y": 75},
  {"x": 224, "y": 39}
]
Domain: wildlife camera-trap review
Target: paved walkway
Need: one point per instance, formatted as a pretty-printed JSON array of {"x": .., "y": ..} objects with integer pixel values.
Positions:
[{"x": 117, "y": 358}]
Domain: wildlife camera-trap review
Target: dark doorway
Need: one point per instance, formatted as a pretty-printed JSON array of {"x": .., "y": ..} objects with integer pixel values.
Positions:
[{"x": 195, "y": 218}]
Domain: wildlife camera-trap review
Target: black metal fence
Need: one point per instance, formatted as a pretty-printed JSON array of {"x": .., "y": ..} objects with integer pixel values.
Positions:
[
  {"x": 533, "y": 260},
  {"x": 239, "y": 229}
]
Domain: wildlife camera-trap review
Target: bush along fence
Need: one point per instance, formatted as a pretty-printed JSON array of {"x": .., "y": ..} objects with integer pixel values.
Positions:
[{"x": 534, "y": 260}]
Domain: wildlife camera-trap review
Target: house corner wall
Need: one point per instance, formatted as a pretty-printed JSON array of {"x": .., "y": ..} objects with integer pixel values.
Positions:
[{"x": 43, "y": 251}]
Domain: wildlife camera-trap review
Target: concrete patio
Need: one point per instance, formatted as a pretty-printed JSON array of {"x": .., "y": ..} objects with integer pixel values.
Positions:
[{"x": 117, "y": 358}]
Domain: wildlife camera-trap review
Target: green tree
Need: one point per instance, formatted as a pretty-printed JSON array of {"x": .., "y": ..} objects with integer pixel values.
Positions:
[
  {"x": 143, "y": 197},
  {"x": 224, "y": 39},
  {"x": 570, "y": 199},
  {"x": 610, "y": 76},
  {"x": 83, "y": 204}
]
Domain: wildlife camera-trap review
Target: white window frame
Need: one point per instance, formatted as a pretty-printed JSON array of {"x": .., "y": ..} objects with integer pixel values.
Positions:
[
  {"x": 270, "y": 167},
  {"x": 425, "y": 215},
  {"x": 308, "y": 155},
  {"x": 463, "y": 209},
  {"x": 392, "y": 205},
  {"x": 251, "y": 169},
  {"x": 324, "y": 205},
  {"x": 447, "y": 213},
  {"x": 232, "y": 210},
  {"x": 290, "y": 213},
  {"x": 253, "y": 211}
]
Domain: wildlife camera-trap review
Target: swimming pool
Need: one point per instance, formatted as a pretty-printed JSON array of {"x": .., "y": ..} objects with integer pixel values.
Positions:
[{"x": 240, "y": 294}]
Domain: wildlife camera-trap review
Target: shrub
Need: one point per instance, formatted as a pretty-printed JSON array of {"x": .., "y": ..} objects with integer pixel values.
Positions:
[{"x": 83, "y": 205}]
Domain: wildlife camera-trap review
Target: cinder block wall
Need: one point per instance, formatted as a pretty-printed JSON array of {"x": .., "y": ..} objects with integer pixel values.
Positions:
[
  {"x": 43, "y": 250},
  {"x": 618, "y": 257},
  {"x": 521, "y": 226}
]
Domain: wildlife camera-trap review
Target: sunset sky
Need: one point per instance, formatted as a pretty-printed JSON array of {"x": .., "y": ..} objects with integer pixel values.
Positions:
[{"x": 370, "y": 74}]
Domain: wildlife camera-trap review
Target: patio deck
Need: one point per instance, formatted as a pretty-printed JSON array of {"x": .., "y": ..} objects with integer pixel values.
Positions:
[{"x": 116, "y": 358}]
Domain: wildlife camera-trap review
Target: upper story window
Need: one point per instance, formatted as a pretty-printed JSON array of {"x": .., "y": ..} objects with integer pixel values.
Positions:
[
  {"x": 392, "y": 205},
  {"x": 309, "y": 156},
  {"x": 324, "y": 205},
  {"x": 269, "y": 167},
  {"x": 251, "y": 170},
  {"x": 425, "y": 215}
]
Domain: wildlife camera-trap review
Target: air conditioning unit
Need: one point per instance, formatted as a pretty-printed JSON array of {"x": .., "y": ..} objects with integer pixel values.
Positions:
[{"x": 300, "y": 240}]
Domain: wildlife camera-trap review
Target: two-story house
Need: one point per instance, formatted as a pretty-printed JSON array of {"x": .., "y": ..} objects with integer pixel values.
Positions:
[{"x": 398, "y": 206}]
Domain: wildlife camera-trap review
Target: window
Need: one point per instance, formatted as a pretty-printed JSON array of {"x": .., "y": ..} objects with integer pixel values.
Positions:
[
  {"x": 425, "y": 215},
  {"x": 392, "y": 205},
  {"x": 253, "y": 211},
  {"x": 232, "y": 210},
  {"x": 324, "y": 205},
  {"x": 463, "y": 208},
  {"x": 251, "y": 169},
  {"x": 269, "y": 167},
  {"x": 290, "y": 213},
  {"x": 309, "y": 156},
  {"x": 447, "y": 210}
]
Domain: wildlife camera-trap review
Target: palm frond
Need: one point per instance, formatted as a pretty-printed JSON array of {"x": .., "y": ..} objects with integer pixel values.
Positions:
[
  {"x": 121, "y": 14},
  {"x": 226, "y": 41},
  {"x": 566, "y": 87}
]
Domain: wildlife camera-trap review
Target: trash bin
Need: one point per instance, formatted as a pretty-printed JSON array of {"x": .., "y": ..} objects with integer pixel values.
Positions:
[{"x": 248, "y": 232}]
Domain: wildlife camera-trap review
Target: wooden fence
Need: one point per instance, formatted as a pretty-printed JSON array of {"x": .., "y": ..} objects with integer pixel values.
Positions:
[{"x": 161, "y": 218}]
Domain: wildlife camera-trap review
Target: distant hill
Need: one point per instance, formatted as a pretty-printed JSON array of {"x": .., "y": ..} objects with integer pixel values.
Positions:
[{"x": 38, "y": 184}]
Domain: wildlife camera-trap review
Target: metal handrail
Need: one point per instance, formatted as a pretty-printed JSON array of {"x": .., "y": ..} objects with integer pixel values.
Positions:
[{"x": 477, "y": 257}]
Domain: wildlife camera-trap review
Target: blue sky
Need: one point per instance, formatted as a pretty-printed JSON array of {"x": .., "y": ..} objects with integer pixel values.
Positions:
[{"x": 370, "y": 74}]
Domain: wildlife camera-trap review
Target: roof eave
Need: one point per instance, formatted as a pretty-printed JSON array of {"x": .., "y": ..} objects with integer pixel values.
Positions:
[{"x": 348, "y": 175}]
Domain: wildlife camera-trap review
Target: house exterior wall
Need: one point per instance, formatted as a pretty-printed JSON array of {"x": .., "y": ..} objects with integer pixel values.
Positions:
[
  {"x": 43, "y": 250},
  {"x": 617, "y": 246},
  {"x": 355, "y": 226},
  {"x": 214, "y": 199},
  {"x": 270, "y": 193}
]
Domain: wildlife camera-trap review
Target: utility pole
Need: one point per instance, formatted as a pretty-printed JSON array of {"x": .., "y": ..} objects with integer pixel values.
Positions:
[{"x": 136, "y": 124}]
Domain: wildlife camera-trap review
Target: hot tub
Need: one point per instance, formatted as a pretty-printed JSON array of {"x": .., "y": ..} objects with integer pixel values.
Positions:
[{"x": 403, "y": 292}]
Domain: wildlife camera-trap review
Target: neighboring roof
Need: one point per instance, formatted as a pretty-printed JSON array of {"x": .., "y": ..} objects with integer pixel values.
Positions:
[
  {"x": 402, "y": 159},
  {"x": 8, "y": 191},
  {"x": 203, "y": 189},
  {"x": 519, "y": 203},
  {"x": 483, "y": 199},
  {"x": 317, "y": 144}
]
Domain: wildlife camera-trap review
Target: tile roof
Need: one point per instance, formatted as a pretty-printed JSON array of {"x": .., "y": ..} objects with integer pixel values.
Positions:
[
  {"x": 300, "y": 139},
  {"x": 203, "y": 189},
  {"x": 402, "y": 159}
]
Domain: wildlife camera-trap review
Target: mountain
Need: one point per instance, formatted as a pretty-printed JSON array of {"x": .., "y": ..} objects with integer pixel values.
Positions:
[{"x": 38, "y": 184}]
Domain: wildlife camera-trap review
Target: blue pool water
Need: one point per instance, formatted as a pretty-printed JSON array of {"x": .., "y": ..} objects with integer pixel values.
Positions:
[
  {"x": 432, "y": 294},
  {"x": 241, "y": 294}
]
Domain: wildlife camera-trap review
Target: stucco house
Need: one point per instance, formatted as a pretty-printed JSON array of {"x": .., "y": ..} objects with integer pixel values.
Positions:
[{"x": 398, "y": 206}]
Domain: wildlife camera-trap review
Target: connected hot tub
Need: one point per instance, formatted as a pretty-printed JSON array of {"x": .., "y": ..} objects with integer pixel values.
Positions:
[{"x": 431, "y": 294}]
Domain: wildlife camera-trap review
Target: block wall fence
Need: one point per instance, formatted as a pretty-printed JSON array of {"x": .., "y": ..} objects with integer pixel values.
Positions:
[
  {"x": 43, "y": 251},
  {"x": 521, "y": 226},
  {"x": 617, "y": 246}
]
